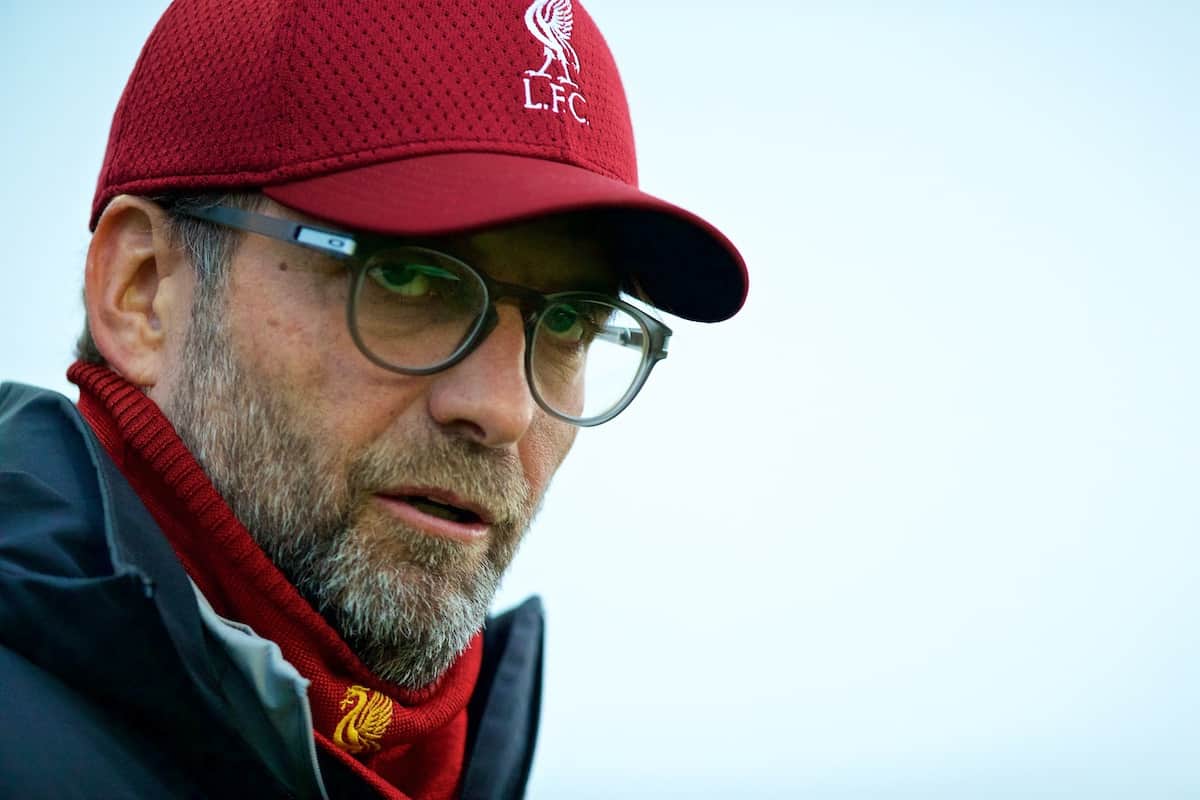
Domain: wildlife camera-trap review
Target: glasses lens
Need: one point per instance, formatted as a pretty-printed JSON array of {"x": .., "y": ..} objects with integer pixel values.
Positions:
[
  {"x": 414, "y": 308},
  {"x": 585, "y": 357}
]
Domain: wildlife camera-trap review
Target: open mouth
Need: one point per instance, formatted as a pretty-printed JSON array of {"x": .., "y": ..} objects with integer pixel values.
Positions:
[
  {"x": 436, "y": 508},
  {"x": 438, "y": 512}
]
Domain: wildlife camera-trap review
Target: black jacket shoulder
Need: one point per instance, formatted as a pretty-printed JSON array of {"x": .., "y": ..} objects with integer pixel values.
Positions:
[{"x": 111, "y": 686}]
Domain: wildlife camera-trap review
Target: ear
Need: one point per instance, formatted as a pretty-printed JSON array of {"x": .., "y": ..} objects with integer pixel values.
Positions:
[{"x": 137, "y": 289}]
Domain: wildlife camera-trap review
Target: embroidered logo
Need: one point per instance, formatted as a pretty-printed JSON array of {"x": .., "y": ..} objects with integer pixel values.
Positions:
[
  {"x": 550, "y": 22},
  {"x": 369, "y": 716}
]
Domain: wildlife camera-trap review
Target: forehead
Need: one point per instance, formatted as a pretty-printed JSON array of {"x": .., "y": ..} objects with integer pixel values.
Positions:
[{"x": 550, "y": 254}]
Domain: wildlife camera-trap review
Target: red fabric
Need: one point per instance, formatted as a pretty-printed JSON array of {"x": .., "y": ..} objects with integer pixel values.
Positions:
[
  {"x": 262, "y": 92},
  {"x": 317, "y": 102},
  {"x": 421, "y": 751}
]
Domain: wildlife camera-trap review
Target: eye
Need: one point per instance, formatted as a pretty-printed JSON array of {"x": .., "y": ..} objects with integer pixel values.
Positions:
[
  {"x": 411, "y": 279},
  {"x": 567, "y": 323}
]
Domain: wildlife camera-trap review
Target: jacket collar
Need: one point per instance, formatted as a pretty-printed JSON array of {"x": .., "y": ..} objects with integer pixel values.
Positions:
[{"x": 84, "y": 570}]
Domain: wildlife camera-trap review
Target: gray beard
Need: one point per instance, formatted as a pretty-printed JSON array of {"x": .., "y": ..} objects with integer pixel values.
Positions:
[{"x": 407, "y": 603}]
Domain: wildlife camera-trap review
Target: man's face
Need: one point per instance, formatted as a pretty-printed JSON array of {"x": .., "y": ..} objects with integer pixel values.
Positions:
[{"x": 394, "y": 503}]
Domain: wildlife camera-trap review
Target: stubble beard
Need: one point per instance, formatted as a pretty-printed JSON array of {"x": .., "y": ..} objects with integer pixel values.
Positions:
[{"x": 406, "y": 602}]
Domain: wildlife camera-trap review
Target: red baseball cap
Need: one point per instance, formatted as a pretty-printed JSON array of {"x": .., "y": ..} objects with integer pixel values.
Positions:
[{"x": 410, "y": 118}]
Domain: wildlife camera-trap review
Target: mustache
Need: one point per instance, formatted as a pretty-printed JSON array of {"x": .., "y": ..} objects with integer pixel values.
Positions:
[{"x": 484, "y": 477}]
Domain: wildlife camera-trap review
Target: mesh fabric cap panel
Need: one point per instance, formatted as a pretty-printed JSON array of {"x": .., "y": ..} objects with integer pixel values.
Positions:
[{"x": 260, "y": 92}]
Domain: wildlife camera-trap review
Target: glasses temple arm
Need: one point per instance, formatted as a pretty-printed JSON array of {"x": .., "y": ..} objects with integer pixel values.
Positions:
[
  {"x": 627, "y": 337},
  {"x": 327, "y": 241}
]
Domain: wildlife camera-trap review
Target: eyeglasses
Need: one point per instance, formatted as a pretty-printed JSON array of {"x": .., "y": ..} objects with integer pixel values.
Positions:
[{"x": 418, "y": 311}]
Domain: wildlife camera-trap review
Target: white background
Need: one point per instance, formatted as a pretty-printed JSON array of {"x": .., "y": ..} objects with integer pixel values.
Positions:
[{"x": 922, "y": 520}]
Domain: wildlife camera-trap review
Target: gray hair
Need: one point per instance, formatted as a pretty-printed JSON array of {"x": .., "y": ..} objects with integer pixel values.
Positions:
[{"x": 209, "y": 248}]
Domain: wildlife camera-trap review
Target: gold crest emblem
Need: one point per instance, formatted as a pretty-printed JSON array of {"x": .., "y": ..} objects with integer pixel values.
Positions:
[{"x": 369, "y": 716}]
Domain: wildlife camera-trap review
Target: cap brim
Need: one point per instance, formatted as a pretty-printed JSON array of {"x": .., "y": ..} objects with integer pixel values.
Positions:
[{"x": 675, "y": 260}]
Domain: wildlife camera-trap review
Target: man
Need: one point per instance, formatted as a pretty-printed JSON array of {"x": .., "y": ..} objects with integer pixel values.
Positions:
[{"x": 358, "y": 273}]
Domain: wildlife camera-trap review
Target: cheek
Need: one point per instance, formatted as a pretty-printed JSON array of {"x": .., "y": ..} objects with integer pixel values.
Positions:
[
  {"x": 292, "y": 331},
  {"x": 543, "y": 449},
  {"x": 289, "y": 323}
]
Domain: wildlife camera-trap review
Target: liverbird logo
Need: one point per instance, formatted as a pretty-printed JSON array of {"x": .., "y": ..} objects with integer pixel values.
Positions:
[
  {"x": 368, "y": 719},
  {"x": 550, "y": 22}
]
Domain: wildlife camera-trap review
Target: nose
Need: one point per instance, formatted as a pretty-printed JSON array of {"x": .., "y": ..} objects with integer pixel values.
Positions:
[{"x": 485, "y": 397}]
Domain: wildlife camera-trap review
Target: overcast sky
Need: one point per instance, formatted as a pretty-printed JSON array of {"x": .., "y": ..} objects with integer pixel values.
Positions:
[{"x": 921, "y": 522}]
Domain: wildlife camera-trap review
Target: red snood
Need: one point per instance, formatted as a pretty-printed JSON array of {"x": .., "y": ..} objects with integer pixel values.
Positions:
[{"x": 405, "y": 744}]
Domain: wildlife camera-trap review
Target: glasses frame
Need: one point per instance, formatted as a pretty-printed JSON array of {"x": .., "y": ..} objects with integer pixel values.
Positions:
[{"x": 354, "y": 250}]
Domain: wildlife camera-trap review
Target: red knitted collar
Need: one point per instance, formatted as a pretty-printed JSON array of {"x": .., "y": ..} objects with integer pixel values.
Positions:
[{"x": 407, "y": 744}]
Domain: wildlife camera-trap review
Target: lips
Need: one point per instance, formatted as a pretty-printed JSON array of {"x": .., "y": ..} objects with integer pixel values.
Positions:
[
  {"x": 428, "y": 505},
  {"x": 438, "y": 512}
]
